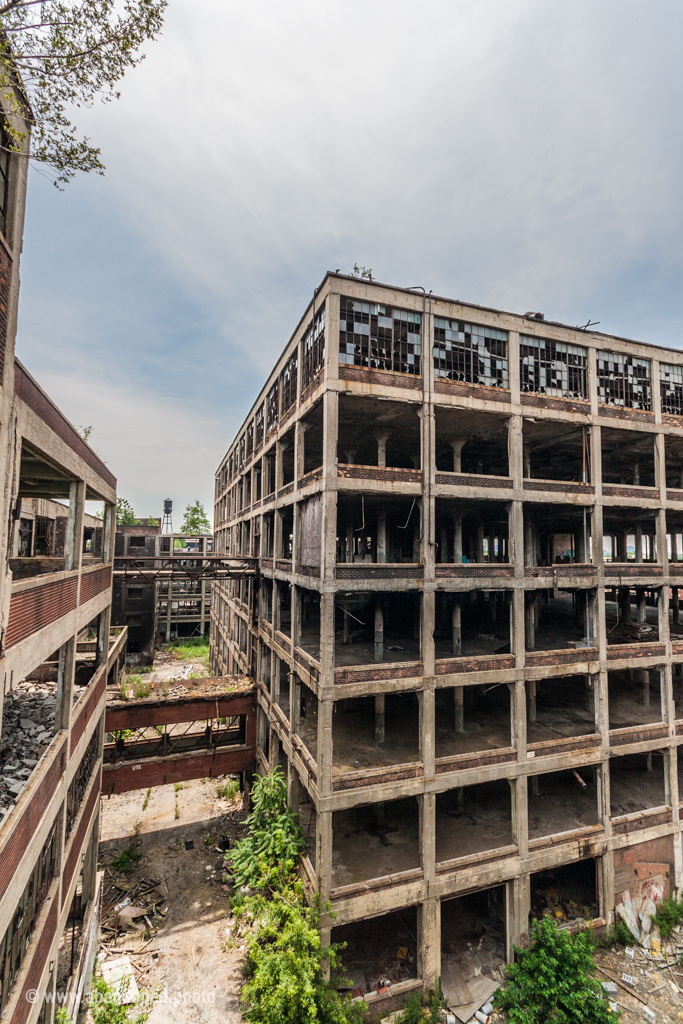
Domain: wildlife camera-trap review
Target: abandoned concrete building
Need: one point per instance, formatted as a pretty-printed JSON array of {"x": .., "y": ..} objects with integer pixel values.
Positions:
[
  {"x": 468, "y": 526},
  {"x": 158, "y": 610}
]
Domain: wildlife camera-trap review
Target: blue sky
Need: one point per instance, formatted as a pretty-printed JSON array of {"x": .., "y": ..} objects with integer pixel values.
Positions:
[{"x": 515, "y": 153}]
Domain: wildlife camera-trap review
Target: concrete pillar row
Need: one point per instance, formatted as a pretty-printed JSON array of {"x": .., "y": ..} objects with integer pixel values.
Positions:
[
  {"x": 457, "y": 445},
  {"x": 382, "y": 436}
]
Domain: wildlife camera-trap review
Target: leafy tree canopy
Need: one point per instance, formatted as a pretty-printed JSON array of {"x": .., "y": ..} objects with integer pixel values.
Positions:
[
  {"x": 65, "y": 54},
  {"x": 125, "y": 516},
  {"x": 195, "y": 519}
]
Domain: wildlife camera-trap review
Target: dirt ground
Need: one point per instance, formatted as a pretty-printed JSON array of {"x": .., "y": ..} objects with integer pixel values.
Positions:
[{"x": 188, "y": 961}]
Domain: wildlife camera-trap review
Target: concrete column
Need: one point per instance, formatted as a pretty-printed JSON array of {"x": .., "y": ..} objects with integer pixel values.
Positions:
[
  {"x": 457, "y": 445},
  {"x": 380, "y": 719},
  {"x": 641, "y": 607},
  {"x": 73, "y": 549},
  {"x": 459, "y": 703},
  {"x": 639, "y": 542},
  {"x": 295, "y": 615},
  {"x": 382, "y": 436},
  {"x": 294, "y": 703},
  {"x": 103, "y": 628},
  {"x": 108, "y": 531},
  {"x": 381, "y": 536},
  {"x": 443, "y": 544},
  {"x": 347, "y": 623},
  {"x": 531, "y": 701},
  {"x": 65, "y": 683},
  {"x": 675, "y": 606},
  {"x": 323, "y": 854},
  {"x": 325, "y": 751},
  {"x": 457, "y": 626},
  {"x": 296, "y": 547},
  {"x": 277, "y": 533},
  {"x": 457, "y": 543},
  {"x": 429, "y": 942},
  {"x": 300, "y": 428},
  {"x": 279, "y": 449},
  {"x": 349, "y": 541},
  {"x": 379, "y": 630},
  {"x": 480, "y": 544},
  {"x": 530, "y": 622},
  {"x": 327, "y": 639},
  {"x": 645, "y": 682},
  {"x": 294, "y": 788},
  {"x": 527, "y": 462}
]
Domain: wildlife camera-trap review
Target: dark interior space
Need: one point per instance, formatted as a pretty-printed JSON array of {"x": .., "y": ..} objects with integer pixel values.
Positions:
[
  {"x": 374, "y": 432},
  {"x": 632, "y": 615},
  {"x": 472, "y": 718},
  {"x": 283, "y": 597},
  {"x": 371, "y": 528},
  {"x": 375, "y": 840},
  {"x": 369, "y": 732},
  {"x": 473, "y": 819},
  {"x": 674, "y": 461},
  {"x": 556, "y": 534},
  {"x": 559, "y": 707},
  {"x": 471, "y": 531},
  {"x": 557, "y": 623},
  {"x": 472, "y": 623},
  {"x": 634, "y": 697},
  {"x": 629, "y": 535},
  {"x": 562, "y": 801},
  {"x": 309, "y": 625},
  {"x": 376, "y": 951},
  {"x": 677, "y": 687},
  {"x": 472, "y": 947},
  {"x": 287, "y": 532},
  {"x": 376, "y": 627},
  {"x": 556, "y": 451},
  {"x": 313, "y": 438},
  {"x": 308, "y": 720},
  {"x": 471, "y": 442},
  {"x": 287, "y": 448},
  {"x": 283, "y": 687},
  {"x": 628, "y": 457},
  {"x": 568, "y": 893},
  {"x": 636, "y": 782}
]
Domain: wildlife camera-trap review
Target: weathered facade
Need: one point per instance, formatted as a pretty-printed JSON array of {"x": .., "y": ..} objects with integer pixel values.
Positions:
[{"x": 466, "y": 638}]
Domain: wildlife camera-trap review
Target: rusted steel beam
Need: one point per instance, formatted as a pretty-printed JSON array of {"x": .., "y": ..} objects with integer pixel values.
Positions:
[
  {"x": 140, "y": 714},
  {"x": 160, "y": 771}
]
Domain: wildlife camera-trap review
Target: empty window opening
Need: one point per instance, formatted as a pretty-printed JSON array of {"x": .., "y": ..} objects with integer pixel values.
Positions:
[
  {"x": 311, "y": 440},
  {"x": 378, "y": 433},
  {"x": 563, "y": 801},
  {"x": 628, "y": 457},
  {"x": 473, "y": 819},
  {"x": 471, "y": 531},
  {"x": 308, "y": 719},
  {"x": 624, "y": 380},
  {"x": 376, "y": 627},
  {"x": 313, "y": 347},
  {"x": 557, "y": 534},
  {"x": 629, "y": 535},
  {"x": 370, "y": 732},
  {"x": 632, "y": 616},
  {"x": 286, "y": 533},
  {"x": 560, "y": 708},
  {"x": 379, "y": 337},
  {"x": 673, "y": 447},
  {"x": 472, "y": 623},
  {"x": 473, "y": 931},
  {"x": 472, "y": 718},
  {"x": 376, "y": 951},
  {"x": 136, "y": 542},
  {"x": 282, "y": 609},
  {"x": 559, "y": 623},
  {"x": 375, "y": 840},
  {"x": 471, "y": 442},
  {"x": 553, "y": 368},
  {"x": 568, "y": 894},
  {"x": 556, "y": 451},
  {"x": 282, "y": 694},
  {"x": 470, "y": 353},
  {"x": 374, "y": 529},
  {"x": 308, "y": 634},
  {"x": 637, "y": 782},
  {"x": 635, "y": 697}
]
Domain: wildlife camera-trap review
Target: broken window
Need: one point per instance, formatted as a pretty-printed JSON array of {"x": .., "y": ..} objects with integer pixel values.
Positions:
[
  {"x": 243, "y": 449},
  {"x": 259, "y": 424},
  {"x": 671, "y": 388},
  {"x": 624, "y": 380},
  {"x": 273, "y": 406},
  {"x": 289, "y": 383},
  {"x": 553, "y": 368},
  {"x": 249, "y": 440},
  {"x": 313, "y": 350},
  {"x": 470, "y": 353},
  {"x": 379, "y": 337}
]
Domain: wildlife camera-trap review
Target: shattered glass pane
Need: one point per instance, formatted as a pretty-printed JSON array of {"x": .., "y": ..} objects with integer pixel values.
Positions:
[
  {"x": 624, "y": 380},
  {"x": 379, "y": 337},
  {"x": 470, "y": 353},
  {"x": 553, "y": 368},
  {"x": 671, "y": 388}
]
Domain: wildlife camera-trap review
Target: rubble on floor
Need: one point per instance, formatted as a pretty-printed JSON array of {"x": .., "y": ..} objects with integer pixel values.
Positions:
[
  {"x": 28, "y": 728},
  {"x": 632, "y": 633},
  {"x": 566, "y": 912}
]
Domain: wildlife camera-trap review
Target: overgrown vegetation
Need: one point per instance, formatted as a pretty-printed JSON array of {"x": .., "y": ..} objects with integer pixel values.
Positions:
[
  {"x": 105, "y": 1007},
  {"x": 420, "y": 1010},
  {"x": 195, "y": 519},
  {"x": 126, "y": 859},
  {"x": 552, "y": 981},
  {"x": 286, "y": 959},
  {"x": 125, "y": 516},
  {"x": 668, "y": 916},
  {"x": 133, "y": 682},
  {"x": 617, "y": 935},
  {"x": 227, "y": 789}
]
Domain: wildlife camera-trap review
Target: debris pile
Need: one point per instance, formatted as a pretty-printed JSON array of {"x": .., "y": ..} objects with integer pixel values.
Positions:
[
  {"x": 28, "y": 727},
  {"x": 632, "y": 633},
  {"x": 132, "y": 909},
  {"x": 566, "y": 911}
]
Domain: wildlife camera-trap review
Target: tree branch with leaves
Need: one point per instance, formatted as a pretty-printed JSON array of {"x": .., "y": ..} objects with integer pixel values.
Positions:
[{"x": 59, "y": 55}]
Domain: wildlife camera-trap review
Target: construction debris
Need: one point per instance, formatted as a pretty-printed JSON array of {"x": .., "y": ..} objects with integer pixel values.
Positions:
[{"x": 28, "y": 727}]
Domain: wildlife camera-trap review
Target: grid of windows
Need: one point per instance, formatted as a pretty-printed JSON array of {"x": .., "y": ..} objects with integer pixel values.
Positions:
[
  {"x": 259, "y": 424},
  {"x": 553, "y": 368},
  {"x": 273, "y": 406},
  {"x": 470, "y": 353},
  {"x": 624, "y": 380},
  {"x": 289, "y": 383},
  {"x": 671, "y": 388},
  {"x": 379, "y": 337},
  {"x": 313, "y": 350}
]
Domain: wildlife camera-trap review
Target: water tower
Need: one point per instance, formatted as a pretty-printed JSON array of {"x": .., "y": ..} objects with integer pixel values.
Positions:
[{"x": 167, "y": 524}]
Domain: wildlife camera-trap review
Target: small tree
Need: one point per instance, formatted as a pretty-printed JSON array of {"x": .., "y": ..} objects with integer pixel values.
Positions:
[
  {"x": 364, "y": 273},
  {"x": 65, "y": 54},
  {"x": 125, "y": 516},
  {"x": 552, "y": 981},
  {"x": 195, "y": 519}
]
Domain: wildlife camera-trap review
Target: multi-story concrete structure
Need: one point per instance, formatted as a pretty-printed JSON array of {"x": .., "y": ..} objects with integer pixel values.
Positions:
[
  {"x": 56, "y": 650},
  {"x": 469, "y": 526}
]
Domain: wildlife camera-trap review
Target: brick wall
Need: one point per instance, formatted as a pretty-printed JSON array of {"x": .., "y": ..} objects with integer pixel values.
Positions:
[
  {"x": 94, "y": 582},
  {"x": 32, "y": 610}
]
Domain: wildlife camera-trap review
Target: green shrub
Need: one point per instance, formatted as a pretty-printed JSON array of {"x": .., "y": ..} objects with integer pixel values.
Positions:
[
  {"x": 617, "y": 935},
  {"x": 105, "y": 1007},
  {"x": 669, "y": 914},
  {"x": 552, "y": 982},
  {"x": 227, "y": 789},
  {"x": 125, "y": 861},
  {"x": 418, "y": 1010}
]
